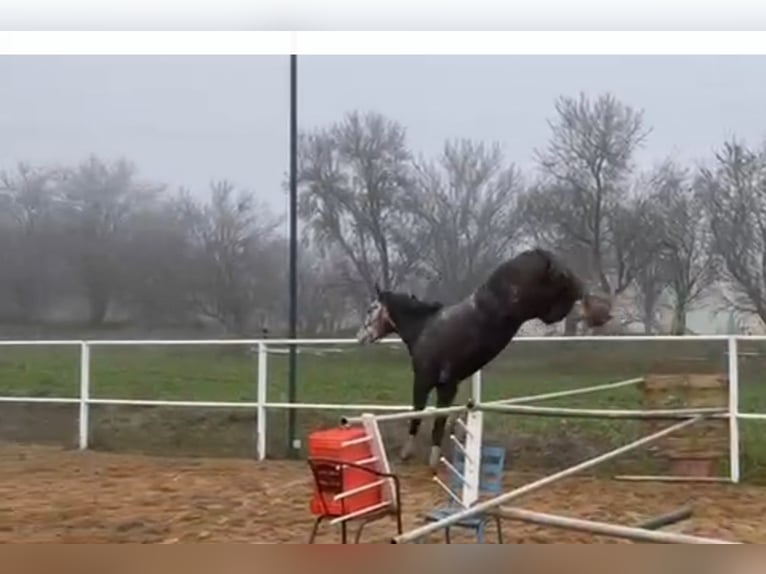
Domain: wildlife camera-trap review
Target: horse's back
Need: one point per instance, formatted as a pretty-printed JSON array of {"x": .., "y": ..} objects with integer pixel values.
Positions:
[{"x": 461, "y": 339}]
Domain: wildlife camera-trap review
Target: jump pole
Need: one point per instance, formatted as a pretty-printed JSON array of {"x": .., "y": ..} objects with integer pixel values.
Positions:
[
  {"x": 568, "y": 393},
  {"x": 593, "y": 527},
  {"x": 426, "y": 413},
  {"x": 678, "y": 515},
  {"x": 430, "y": 412},
  {"x": 658, "y": 414},
  {"x": 671, "y": 478},
  {"x": 538, "y": 484}
]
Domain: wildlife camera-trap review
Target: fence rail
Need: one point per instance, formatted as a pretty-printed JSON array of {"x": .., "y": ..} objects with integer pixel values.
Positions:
[{"x": 85, "y": 400}]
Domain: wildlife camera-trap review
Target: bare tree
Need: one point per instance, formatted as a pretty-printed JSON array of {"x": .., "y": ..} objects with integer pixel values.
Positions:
[
  {"x": 99, "y": 200},
  {"x": 324, "y": 297},
  {"x": 687, "y": 256},
  {"x": 28, "y": 201},
  {"x": 159, "y": 260},
  {"x": 585, "y": 196},
  {"x": 651, "y": 280},
  {"x": 651, "y": 284},
  {"x": 733, "y": 192},
  {"x": 462, "y": 213},
  {"x": 236, "y": 268},
  {"x": 351, "y": 176}
]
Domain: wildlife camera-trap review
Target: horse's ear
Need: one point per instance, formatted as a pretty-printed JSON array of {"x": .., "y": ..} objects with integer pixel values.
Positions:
[
  {"x": 554, "y": 269},
  {"x": 559, "y": 273}
]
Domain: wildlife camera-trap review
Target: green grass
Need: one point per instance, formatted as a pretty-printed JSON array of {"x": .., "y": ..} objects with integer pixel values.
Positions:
[{"x": 379, "y": 374}]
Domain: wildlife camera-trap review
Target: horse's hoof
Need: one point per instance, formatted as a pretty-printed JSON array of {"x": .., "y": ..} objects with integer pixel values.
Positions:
[
  {"x": 435, "y": 457},
  {"x": 407, "y": 450}
]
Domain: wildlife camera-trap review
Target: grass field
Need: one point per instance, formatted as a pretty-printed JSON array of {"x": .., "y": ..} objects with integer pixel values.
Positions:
[{"x": 379, "y": 374}]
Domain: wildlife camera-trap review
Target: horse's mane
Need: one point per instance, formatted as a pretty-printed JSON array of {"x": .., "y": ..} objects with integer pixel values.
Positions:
[{"x": 410, "y": 304}]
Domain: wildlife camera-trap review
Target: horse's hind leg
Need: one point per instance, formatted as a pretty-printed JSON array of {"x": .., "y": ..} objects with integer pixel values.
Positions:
[
  {"x": 419, "y": 401},
  {"x": 445, "y": 394}
]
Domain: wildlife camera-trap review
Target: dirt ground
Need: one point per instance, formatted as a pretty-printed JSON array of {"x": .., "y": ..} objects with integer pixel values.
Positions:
[{"x": 54, "y": 495}]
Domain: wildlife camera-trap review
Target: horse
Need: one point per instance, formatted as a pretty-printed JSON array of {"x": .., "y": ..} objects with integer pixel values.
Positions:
[{"x": 449, "y": 343}]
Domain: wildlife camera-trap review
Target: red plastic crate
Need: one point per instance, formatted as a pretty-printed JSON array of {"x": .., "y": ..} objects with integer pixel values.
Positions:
[{"x": 328, "y": 444}]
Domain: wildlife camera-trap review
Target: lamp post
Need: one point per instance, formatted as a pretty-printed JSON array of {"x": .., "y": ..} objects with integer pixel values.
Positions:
[{"x": 291, "y": 388}]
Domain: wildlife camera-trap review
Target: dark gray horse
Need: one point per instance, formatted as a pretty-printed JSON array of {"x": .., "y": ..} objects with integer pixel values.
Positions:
[{"x": 447, "y": 344}]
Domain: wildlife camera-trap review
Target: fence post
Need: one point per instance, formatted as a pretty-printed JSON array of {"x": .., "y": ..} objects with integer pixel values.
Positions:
[
  {"x": 473, "y": 442},
  {"x": 261, "y": 394},
  {"x": 84, "y": 395},
  {"x": 472, "y": 460},
  {"x": 734, "y": 470},
  {"x": 476, "y": 387}
]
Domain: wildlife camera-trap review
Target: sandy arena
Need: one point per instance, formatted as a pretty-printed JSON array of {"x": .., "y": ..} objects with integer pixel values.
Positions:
[{"x": 53, "y": 495}]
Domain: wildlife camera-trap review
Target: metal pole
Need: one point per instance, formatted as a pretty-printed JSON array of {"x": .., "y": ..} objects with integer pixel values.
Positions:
[
  {"x": 604, "y": 528},
  {"x": 291, "y": 415},
  {"x": 536, "y": 485}
]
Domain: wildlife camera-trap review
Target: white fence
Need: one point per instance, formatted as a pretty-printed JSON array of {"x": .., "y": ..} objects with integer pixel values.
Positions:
[{"x": 84, "y": 400}]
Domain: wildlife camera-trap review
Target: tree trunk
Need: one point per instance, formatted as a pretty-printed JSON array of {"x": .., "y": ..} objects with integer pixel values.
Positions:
[
  {"x": 648, "y": 318},
  {"x": 570, "y": 325},
  {"x": 97, "y": 276},
  {"x": 27, "y": 295},
  {"x": 679, "y": 318},
  {"x": 99, "y": 306}
]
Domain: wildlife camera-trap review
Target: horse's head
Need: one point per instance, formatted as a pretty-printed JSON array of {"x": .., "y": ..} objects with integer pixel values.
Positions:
[
  {"x": 391, "y": 310},
  {"x": 568, "y": 291},
  {"x": 548, "y": 290},
  {"x": 377, "y": 321},
  {"x": 595, "y": 310}
]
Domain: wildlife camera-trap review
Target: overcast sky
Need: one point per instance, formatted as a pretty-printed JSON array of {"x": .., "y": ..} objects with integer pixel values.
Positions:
[{"x": 188, "y": 120}]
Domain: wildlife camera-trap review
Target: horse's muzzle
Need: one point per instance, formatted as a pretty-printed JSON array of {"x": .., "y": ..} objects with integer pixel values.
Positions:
[{"x": 363, "y": 336}]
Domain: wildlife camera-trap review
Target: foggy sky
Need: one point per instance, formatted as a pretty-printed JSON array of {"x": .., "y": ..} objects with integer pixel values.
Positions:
[{"x": 188, "y": 120}]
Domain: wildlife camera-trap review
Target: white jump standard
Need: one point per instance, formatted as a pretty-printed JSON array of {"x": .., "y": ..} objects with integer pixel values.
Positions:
[
  {"x": 498, "y": 501},
  {"x": 496, "y": 505}
]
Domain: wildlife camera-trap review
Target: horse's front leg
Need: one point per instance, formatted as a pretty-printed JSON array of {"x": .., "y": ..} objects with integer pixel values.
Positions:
[
  {"x": 445, "y": 395},
  {"x": 420, "y": 392}
]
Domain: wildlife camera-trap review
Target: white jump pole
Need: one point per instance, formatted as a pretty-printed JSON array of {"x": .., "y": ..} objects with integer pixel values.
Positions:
[
  {"x": 431, "y": 412},
  {"x": 426, "y": 413},
  {"x": 536, "y": 485},
  {"x": 370, "y": 423},
  {"x": 669, "y": 478},
  {"x": 476, "y": 391},
  {"x": 568, "y": 393},
  {"x": 593, "y": 527},
  {"x": 658, "y": 414}
]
